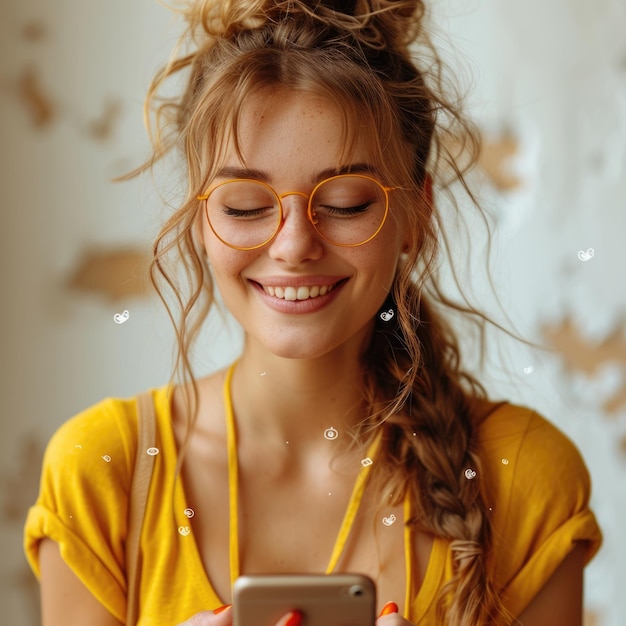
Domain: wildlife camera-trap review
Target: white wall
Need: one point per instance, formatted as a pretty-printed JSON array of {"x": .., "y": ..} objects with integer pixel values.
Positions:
[{"x": 553, "y": 72}]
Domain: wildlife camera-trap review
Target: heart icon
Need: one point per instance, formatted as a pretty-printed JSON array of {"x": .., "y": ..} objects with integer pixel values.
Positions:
[
  {"x": 388, "y": 521},
  {"x": 120, "y": 318},
  {"x": 386, "y": 316},
  {"x": 585, "y": 255},
  {"x": 529, "y": 370},
  {"x": 470, "y": 473}
]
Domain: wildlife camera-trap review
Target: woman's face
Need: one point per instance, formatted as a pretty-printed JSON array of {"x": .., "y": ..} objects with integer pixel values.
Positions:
[{"x": 291, "y": 140}]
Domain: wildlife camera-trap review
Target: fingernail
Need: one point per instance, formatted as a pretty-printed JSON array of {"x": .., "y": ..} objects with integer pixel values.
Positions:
[
  {"x": 221, "y": 609},
  {"x": 294, "y": 619},
  {"x": 390, "y": 607}
]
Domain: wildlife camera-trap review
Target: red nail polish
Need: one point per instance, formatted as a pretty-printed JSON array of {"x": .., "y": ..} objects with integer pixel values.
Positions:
[
  {"x": 294, "y": 619},
  {"x": 390, "y": 607},
  {"x": 221, "y": 609}
]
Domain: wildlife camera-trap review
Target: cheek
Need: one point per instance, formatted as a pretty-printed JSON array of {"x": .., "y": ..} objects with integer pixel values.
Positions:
[{"x": 227, "y": 264}]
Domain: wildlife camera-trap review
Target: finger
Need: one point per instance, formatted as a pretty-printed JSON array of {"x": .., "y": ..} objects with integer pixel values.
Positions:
[
  {"x": 390, "y": 607},
  {"x": 293, "y": 618},
  {"x": 219, "y": 617}
]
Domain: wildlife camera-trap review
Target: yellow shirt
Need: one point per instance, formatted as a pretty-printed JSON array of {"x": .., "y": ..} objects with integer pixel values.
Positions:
[{"x": 534, "y": 481}]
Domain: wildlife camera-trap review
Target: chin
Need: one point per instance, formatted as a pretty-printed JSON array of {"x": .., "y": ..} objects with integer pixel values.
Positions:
[{"x": 310, "y": 347}]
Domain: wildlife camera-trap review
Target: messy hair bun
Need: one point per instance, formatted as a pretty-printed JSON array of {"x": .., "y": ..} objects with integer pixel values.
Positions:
[
  {"x": 225, "y": 19},
  {"x": 373, "y": 59}
]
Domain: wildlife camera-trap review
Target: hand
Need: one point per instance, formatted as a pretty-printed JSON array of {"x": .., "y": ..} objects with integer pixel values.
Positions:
[
  {"x": 220, "y": 617},
  {"x": 224, "y": 617}
]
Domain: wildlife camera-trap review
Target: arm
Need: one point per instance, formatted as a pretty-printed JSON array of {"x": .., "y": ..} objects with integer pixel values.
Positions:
[
  {"x": 560, "y": 600},
  {"x": 558, "y": 603},
  {"x": 65, "y": 601}
]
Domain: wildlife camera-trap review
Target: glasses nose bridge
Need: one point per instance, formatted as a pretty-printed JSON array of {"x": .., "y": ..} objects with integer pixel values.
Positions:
[
  {"x": 293, "y": 193},
  {"x": 306, "y": 196}
]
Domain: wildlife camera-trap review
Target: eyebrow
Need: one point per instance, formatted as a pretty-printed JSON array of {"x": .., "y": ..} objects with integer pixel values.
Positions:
[{"x": 245, "y": 172}]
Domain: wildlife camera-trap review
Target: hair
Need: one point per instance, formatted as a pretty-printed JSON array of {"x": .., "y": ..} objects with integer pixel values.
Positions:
[{"x": 375, "y": 61}]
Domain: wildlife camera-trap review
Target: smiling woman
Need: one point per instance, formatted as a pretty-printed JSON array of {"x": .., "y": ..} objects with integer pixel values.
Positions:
[
  {"x": 293, "y": 140},
  {"x": 347, "y": 437}
]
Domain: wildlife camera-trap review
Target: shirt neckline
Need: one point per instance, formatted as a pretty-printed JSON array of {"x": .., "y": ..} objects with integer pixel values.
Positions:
[{"x": 415, "y": 606}]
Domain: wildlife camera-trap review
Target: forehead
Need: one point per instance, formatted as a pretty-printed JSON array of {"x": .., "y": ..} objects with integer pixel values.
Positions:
[{"x": 289, "y": 129}]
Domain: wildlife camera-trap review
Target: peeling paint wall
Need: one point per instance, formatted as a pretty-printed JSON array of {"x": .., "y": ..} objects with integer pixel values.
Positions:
[{"x": 548, "y": 90}]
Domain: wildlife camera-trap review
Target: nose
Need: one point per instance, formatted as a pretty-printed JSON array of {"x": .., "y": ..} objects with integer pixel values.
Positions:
[{"x": 297, "y": 241}]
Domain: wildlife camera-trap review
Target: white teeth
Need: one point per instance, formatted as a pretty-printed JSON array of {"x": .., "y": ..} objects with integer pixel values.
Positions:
[{"x": 300, "y": 293}]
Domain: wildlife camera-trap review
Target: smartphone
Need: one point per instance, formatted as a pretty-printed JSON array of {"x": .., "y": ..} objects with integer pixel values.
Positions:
[{"x": 325, "y": 600}]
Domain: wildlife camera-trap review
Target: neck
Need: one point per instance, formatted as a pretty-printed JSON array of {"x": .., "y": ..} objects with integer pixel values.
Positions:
[{"x": 280, "y": 400}]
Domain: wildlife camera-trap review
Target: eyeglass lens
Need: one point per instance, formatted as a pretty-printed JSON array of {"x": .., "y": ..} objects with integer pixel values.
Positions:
[{"x": 346, "y": 210}]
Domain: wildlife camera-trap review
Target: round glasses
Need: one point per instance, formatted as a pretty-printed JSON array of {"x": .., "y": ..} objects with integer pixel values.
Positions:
[{"x": 347, "y": 210}]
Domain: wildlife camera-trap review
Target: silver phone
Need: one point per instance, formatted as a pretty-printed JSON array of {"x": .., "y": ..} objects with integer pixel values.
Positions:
[{"x": 324, "y": 600}]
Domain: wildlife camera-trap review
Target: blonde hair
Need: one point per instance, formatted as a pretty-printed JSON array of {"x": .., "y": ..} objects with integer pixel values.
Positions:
[{"x": 358, "y": 55}]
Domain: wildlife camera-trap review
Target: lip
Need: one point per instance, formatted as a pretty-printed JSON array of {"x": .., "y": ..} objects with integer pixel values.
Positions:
[{"x": 311, "y": 305}]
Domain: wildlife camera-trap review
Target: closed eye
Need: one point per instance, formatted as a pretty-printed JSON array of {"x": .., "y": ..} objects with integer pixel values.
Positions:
[
  {"x": 350, "y": 211},
  {"x": 246, "y": 213}
]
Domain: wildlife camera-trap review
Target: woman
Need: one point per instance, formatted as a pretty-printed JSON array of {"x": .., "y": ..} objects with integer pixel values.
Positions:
[{"x": 312, "y": 140}]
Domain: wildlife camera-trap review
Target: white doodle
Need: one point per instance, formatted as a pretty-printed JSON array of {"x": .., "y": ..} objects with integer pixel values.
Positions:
[
  {"x": 387, "y": 316},
  {"x": 586, "y": 255},
  {"x": 120, "y": 318},
  {"x": 331, "y": 433}
]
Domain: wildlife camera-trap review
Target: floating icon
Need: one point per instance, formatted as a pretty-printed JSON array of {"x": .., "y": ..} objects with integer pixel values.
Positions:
[
  {"x": 470, "y": 473},
  {"x": 184, "y": 530},
  {"x": 367, "y": 461},
  {"x": 152, "y": 451},
  {"x": 387, "y": 316},
  {"x": 331, "y": 433},
  {"x": 585, "y": 255},
  {"x": 388, "y": 521},
  {"x": 120, "y": 318}
]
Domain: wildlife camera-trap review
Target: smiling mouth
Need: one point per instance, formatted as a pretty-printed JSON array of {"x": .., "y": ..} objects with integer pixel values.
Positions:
[{"x": 302, "y": 292}]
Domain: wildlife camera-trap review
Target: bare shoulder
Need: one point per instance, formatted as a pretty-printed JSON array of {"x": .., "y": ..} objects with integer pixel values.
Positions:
[
  {"x": 560, "y": 600},
  {"x": 64, "y": 598}
]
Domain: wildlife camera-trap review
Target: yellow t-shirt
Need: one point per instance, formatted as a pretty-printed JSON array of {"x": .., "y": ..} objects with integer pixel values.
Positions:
[{"x": 534, "y": 480}]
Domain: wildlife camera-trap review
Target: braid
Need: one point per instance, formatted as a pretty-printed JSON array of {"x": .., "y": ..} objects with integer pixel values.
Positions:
[{"x": 433, "y": 402}]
